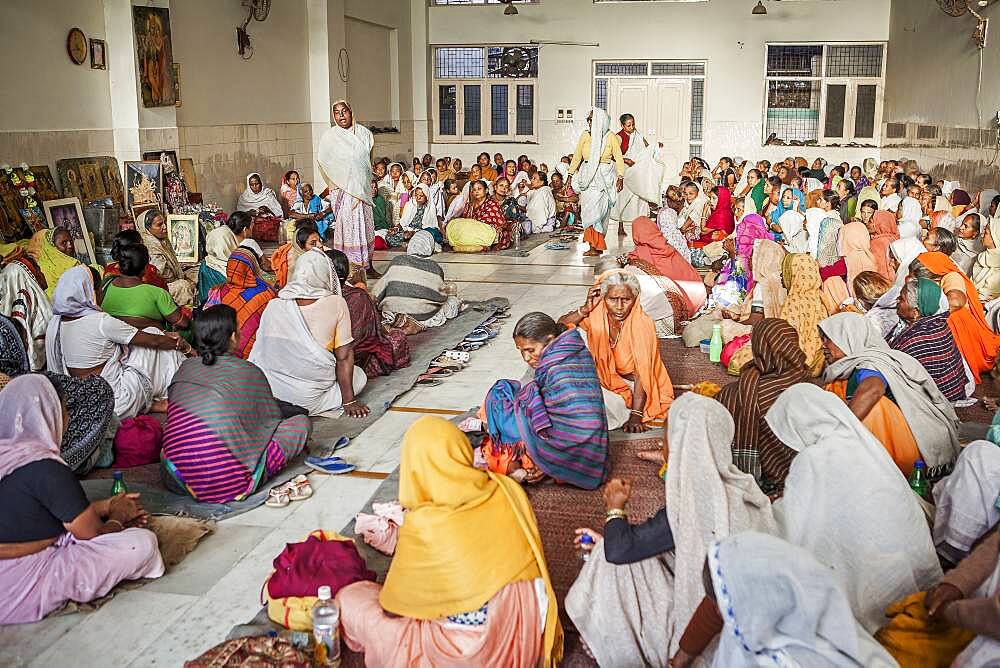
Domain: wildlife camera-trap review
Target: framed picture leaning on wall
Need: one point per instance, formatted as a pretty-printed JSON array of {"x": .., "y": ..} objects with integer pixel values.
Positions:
[
  {"x": 143, "y": 182},
  {"x": 68, "y": 213},
  {"x": 182, "y": 231}
]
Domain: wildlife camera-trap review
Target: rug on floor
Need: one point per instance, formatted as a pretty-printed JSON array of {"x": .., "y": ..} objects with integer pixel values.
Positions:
[{"x": 378, "y": 394}]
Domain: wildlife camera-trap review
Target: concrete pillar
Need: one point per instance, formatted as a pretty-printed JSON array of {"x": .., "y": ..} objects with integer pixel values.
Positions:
[
  {"x": 122, "y": 79},
  {"x": 420, "y": 94},
  {"x": 317, "y": 22}
]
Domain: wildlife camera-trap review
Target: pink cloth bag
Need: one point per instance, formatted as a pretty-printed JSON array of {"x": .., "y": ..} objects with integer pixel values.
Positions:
[
  {"x": 380, "y": 530},
  {"x": 138, "y": 442}
]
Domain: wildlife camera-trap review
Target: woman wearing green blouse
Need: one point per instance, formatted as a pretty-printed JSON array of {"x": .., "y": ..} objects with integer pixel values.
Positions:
[{"x": 141, "y": 305}]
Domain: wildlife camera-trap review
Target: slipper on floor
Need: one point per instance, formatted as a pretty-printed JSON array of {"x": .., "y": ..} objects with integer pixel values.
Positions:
[
  {"x": 458, "y": 355},
  {"x": 447, "y": 363},
  {"x": 329, "y": 465},
  {"x": 471, "y": 423},
  {"x": 556, "y": 246},
  {"x": 428, "y": 381},
  {"x": 437, "y": 372},
  {"x": 297, "y": 489},
  {"x": 277, "y": 498},
  {"x": 468, "y": 346}
]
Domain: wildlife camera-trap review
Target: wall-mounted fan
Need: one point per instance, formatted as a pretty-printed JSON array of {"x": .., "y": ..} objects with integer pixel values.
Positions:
[
  {"x": 256, "y": 10},
  {"x": 953, "y": 7}
]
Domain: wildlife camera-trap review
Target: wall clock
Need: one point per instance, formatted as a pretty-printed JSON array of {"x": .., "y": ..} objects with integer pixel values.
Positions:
[{"x": 76, "y": 46}]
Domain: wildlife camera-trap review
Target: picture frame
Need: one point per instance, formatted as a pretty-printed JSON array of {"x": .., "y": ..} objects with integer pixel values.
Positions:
[
  {"x": 153, "y": 156},
  {"x": 187, "y": 173},
  {"x": 143, "y": 182},
  {"x": 154, "y": 55},
  {"x": 139, "y": 209},
  {"x": 177, "y": 85},
  {"x": 182, "y": 231},
  {"x": 68, "y": 213},
  {"x": 98, "y": 54}
]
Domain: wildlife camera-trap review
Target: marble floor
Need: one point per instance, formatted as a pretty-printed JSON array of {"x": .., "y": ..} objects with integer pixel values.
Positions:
[{"x": 218, "y": 586}]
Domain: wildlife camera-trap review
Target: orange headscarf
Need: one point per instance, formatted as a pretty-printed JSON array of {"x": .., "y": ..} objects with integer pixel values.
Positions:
[
  {"x": 884, "y": 231},
  {"x": 855, "y": 246},
  {"x": 636, "y": 349},
  {"x": 653, "y": 249},
  {"x": 976, "y": 341}
]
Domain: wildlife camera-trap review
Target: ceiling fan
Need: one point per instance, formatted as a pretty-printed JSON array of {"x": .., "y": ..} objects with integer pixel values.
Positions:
[
  {"x": 957, "y": 8},
  {"x": 258, "y": 11},
  {"x": 510, "y": 9}
]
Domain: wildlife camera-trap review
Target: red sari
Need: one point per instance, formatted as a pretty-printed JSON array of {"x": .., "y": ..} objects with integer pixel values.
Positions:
[
  {"x": 720, "y": 223},
  {"x": 489, "y": 212}
]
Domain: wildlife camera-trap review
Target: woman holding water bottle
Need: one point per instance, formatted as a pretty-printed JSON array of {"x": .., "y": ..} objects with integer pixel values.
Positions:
[{"x": 55, "y": 545}]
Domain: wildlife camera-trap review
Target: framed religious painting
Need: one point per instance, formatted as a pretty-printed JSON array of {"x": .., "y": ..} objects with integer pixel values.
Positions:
[
  {"x": 112, "y": 177},
  {"x": 83, "y": 178},
  {"x": 164, "y": 156},
  {"x": 68, "y": 213},
  {"x": 44, "y": 183},
  {"x": 182, "y": 231},
  {"x": 98, "y": 54},
  {"x": 143, "y": 182},
  {"x": 154, "y": 55}
]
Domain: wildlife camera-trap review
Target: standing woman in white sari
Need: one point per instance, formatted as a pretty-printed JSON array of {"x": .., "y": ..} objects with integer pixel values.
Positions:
[
  {"x": 595, "y": 164},
  {"x": 628, "y": 205},
  {"x": 345, "y": 161}
]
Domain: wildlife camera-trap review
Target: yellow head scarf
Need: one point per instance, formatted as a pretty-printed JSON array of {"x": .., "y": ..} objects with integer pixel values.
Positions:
[
  {"x": 804, "y": 306},
  {"x": 50, "y": 259},
  {"x": 468, "y": 533}
]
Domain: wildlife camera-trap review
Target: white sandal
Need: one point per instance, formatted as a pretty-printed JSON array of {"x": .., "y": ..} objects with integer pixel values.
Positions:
[
  {"x": 277, "y": 497},
  {"x": 458, "y": 356}
]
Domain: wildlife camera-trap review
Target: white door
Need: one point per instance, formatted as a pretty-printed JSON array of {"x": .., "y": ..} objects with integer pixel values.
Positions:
[{"x": 662, "y": 109}]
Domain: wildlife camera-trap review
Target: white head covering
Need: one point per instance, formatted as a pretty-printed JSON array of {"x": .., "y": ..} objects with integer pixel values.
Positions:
[
  {"x": 986, "y": 198},
  {"x": 864, "y": 521},
  {"x": 948, "y": 187},
  {"x": 793, "y": 227},
  {"x": 387, "y": 183},
  {"x": 344, "y": 157},
  {"x": 160, "y": 250},
  {"x": 814, "y": 220},
  {"x": 709, "y": 497},
  {"x": 890, "y": 202},
  {"x": 312, "y": 278},
  {"x": 421, "y": 244},
  {"x": 32, "y": 427},
  {"x": 965, "y": 501},
  {"x": 911, "y": 211},
  {"x": 219, "y": 244},
  {"x": 758, "y": 579},
  {"x": 249, "y": 200},
  {"x": 429, "y": 215},
  {"x": 599, "y": 124},
  {"x": 905, "y": 251},
  {"x": 74, "y": 297}
]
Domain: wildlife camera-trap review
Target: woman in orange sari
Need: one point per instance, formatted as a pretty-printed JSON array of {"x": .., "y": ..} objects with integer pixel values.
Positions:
[
  {"x": 976, "y": 341},
  {"x": 622, "y": 339},
  {"x": 883, "y": 231}
]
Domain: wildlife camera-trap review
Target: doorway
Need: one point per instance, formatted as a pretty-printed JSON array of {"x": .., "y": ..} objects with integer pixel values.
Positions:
[{"x": 662, "y": 110}]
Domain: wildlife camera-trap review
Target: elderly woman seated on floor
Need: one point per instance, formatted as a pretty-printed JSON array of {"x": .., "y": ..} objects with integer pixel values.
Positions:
[
  {"x": 497, "y": 609},
  {"x": 482, "y": 225},
  {"x": 622, "y": 339},
  {"x": 413, "y": 286},
  {"x": 225, "y": 434},
  {"x": 554, "y": 424},
  {"x": 304, "y": 343},
  {"x": 55, "y": 546}
]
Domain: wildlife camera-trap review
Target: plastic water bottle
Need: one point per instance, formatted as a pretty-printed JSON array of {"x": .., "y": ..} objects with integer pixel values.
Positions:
[
  {"x": 326, "y": 629},
  {"x": 118, "y": 486},
  {"x": 585, "y": 539},
  {"x": 918, "y": 479},
  {"x": 715, "y": 345},
  {"x": 516, "y": 232}
]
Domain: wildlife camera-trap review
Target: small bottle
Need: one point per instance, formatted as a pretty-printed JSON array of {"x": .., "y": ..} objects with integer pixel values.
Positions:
[
  {"x": 585, "y": 539},
  {"x": 918, "y": 479},
  {"x": 516, "y": 233},
  {"x": 326, "y": 629},
  {"x": 118, "y": 486},
  {"x": 715, "y": 345}
]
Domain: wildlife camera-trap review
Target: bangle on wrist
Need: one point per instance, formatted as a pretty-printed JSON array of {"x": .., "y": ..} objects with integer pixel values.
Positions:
[
  {"x": 121, "y": 527},
  {"x": 636, "y": 412},
  {"x": 615, "y": 514}
]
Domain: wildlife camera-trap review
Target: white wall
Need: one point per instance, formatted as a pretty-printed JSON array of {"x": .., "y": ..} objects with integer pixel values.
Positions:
[
  {"x": 40, "y": 87},
  {"x": 370, "y": 83},
  {"x": 734, "y": 87}
]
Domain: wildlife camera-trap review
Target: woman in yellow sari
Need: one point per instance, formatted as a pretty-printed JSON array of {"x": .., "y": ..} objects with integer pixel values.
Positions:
[
  {"x": 449, "y": 597},
  {"x": 52, "y": 251},
  {"x": 804, "y": 307}
]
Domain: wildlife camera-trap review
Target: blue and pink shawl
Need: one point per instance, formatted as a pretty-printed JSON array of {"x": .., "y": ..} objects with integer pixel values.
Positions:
[{"x": 559, "y": 416}]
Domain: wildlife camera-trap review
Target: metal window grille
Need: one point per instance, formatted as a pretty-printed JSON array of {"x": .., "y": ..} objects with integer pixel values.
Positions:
[
  {"x": 794, "y": 60},
  {"x": 601, "y": 94},
  {"x": 512, "y": 62},
  {"x": 864, "y": 112},
  {"x": 472, "y": 96},
  {"x": 836, "y": 110},
  {"x": 447, "y": 110},
  {"x": 498, "y": 109},
  {"x": 927, "y": 132},
  {"x": 621, "y": 69},
  {"x": 525, "y": 110},
  {"x": 459, "y": 62},
  {"x": 895, "y": 130},
  {"x": 793, "y": 110},
  {"x": 697, "y": 108},
  {"x": 678, "y": 69},
  {"x": 854, "y": 60},
  {"x": 694, "y": 150}
]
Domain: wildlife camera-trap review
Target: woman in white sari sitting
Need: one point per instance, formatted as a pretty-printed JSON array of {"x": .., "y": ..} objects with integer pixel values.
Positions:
[
  {"x": 304, "y": 343},
  {"x": 82, "y": 341}
]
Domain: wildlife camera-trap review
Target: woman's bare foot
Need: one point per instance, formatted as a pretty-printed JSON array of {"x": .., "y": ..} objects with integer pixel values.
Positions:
[
  {"x": 655, "y": 456},
  {"x": 158, "y": 406},
  {"x": 593, "y": 252}
]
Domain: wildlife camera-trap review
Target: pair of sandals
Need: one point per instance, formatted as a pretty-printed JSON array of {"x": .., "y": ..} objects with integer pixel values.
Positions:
[
  {"x": 296, "y": 489},
  {"x": 447, "y": 364}
]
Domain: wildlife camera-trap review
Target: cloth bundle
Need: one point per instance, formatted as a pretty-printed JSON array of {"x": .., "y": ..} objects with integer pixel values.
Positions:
[{"x": 381, "y": 529}]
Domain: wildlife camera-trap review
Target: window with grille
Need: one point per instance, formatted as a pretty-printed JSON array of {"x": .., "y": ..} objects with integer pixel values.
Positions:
[
  {"x": 485, "y": 93},
  {"x": 824, "y": 93}
]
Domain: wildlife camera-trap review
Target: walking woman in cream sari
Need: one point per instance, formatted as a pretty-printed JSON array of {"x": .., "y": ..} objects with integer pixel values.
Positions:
[
  {"x": 595, "y": 163},
  {"x": 345, "y": 161},
  {"x": 628, "y": 205}
]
